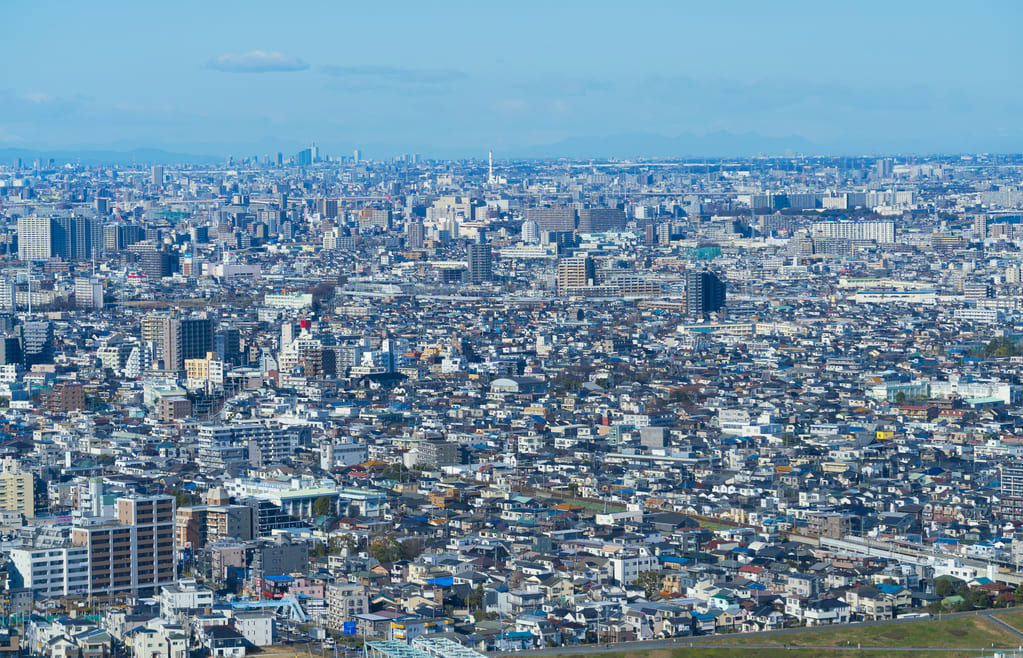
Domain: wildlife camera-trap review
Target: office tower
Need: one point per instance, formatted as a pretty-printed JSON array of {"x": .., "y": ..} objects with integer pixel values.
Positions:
[
  {"x": 415, "y": 234},
  {"x": 357, "y": 156},
  {"x": 17, "y": 488},
  {"x": 480, "y": 263},
  {"x": 575, "y": 272},
  {"x": 556, "y": 218},
  {"x": 530, "y": 232},
  {"x": 34, "y": 238},
  {"x": 186, "y": 338},
  {"x": 705, "y": 293},
  {"x": 36, "y": 343},
  {"x": 157, "y": 175},
  {"x": 600, "y": 220},
  {"x": 134, "y": 553}
]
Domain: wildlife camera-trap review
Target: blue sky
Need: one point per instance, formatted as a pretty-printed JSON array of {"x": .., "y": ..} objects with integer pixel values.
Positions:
[{"x": 449, "y": 78}]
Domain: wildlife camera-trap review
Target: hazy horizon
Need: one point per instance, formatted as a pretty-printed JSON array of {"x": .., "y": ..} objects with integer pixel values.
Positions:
[{"x": 457, "y": 79}]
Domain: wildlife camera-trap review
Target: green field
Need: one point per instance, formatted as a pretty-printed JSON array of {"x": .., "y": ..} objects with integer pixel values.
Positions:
[
  {"x": 959, "y": 637},
  {"x": 1013, "y": 618}
]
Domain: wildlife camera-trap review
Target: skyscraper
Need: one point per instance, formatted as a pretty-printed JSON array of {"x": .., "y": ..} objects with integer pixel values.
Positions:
[
  {"x": 480, "y": 263},
  {"x": 157, "y": 175},
  {"x": 705, "y": 293}
]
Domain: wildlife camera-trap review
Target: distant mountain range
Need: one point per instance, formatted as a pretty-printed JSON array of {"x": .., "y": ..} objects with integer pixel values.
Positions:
[
  {"x": 719, "y": 144},
  {"x": 142, "y": 156},
  {"x": 646, "y": 145}
]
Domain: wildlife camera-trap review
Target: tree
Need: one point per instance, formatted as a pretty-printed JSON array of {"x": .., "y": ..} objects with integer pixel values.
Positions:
[
  {"x": 945, "y": 586},
  {"x": 395, "y": 472},
  {"x": 323, "y": 506},
  {"x": 385, "y": 549},
  {"x": 650, "y": 581},
  {"x": 182, "y": 498},
  {"x": 475, "y": 599}
]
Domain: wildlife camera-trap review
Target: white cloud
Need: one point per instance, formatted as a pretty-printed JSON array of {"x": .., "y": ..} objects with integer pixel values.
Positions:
[{"x": 256, "y": 61}]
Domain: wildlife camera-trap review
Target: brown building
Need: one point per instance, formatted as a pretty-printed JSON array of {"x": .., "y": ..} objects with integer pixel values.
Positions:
[
  {"x": 65, "y": 397},
  {"x": 831, "y": 525},
  {"x": 171, "y": 408},
  {"x": 135, "y": 553}
]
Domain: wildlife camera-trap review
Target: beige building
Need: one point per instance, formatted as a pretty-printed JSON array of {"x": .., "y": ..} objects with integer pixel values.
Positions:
[
  {"x": 16, "y": 489},
  {"x": 344, "y": 601}
]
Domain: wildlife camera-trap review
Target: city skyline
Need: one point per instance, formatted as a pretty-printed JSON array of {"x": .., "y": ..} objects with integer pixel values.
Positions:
[{"x": 568, "y": 80}]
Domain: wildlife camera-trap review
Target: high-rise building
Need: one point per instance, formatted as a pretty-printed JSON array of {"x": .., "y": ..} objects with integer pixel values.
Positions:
[
  {"x": 185, "y": 338},
  {"x": 575, "y": 272},
  {"x": 415, "y": 234},
  {"x": 88, "y": 293},
  {"x": 153, "y": 259},
  {"x": 35, "y": 240},
  {"x": 530, "y": 232},
  {"x": 120, "y": 236},
  {"x": 8, "y": 294},
  {"x": 227, "y": 345},
  {"x": 36, "y": 343},
  {"x": 157, "y": 175},
  {"x": 556, "y": 218},
  {"x": 480, "y": 263},
  {"x": 600, "y": 220},
  {"x": 76, "y": 238},
  {"x": 705, "y": 293},
  {"x": 328, "y": 208},
  {"x": 136, "y": 552}
]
